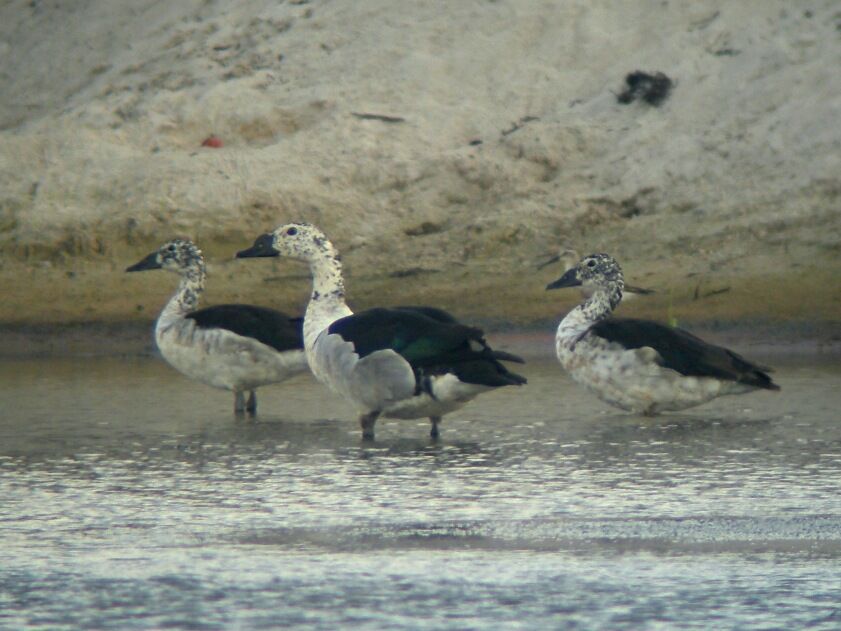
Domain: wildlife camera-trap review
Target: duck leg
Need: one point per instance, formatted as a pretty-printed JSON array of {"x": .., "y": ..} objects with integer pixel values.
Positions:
[
  {"x": 251, "y": 406},
  {"x": 239, "y": 403},
  {"x": 366, "y": 421},
  {"x": 433, "y": 433}
]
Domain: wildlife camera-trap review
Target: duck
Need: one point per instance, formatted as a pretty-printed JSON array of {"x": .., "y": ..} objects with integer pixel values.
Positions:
[
  {"x": 234, "y": 347},
  {"x": 400, "y": 362},
  {"x": 568, "y": 257},
  {"x": 642, "y": 366}
]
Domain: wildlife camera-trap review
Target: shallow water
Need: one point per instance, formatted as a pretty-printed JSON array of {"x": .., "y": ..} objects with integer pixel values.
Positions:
[{"x": 130, "y": 498}]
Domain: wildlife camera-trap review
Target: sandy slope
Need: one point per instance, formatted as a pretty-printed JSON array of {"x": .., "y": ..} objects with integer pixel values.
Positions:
[{"x": 512, "y": 144}]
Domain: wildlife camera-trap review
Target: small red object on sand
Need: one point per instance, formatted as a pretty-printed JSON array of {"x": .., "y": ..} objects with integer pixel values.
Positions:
[{"x": 212, "y": 141}]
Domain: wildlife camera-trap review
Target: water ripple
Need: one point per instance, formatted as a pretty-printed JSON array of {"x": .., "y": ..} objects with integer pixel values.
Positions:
[{"x": 132, "y": 499}]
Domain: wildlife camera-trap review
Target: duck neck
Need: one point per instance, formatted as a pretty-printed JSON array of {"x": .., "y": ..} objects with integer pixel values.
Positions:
[
  {"x": 186, "y": 297},
  {"x": 597, "y": 307},
  {"x": 327, "y": 301}
]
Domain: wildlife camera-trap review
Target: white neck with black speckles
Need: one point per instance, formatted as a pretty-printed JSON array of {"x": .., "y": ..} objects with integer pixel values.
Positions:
[
  {"x": 186, "y": 297},
  {"x": 597, "y": 307},
  {"x": 327, "y": 301}
]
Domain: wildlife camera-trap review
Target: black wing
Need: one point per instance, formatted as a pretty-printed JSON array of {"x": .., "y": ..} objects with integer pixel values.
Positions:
[
  {"x": 406, "y": 331},
  {"x": 443, "y": 316},
  {"x": 268, "y": 326},
  {"x": 431, "y": 344},
  {"x": 430, "y": 312},
  {"x": 683, "y": 352}
]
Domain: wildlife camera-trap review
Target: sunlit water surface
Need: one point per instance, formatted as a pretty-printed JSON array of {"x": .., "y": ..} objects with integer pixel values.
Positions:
[{"x": 131, "y": 498}]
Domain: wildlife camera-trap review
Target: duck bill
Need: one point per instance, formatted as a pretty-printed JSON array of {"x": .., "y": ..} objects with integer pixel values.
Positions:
[
  {"x": 569, "y": 279},
  {"x": 150, "y": 262},
  {"x": 263, "y": 246},
  {"x": 641, "y": 291},
  {"x": 548, "y": 262}
]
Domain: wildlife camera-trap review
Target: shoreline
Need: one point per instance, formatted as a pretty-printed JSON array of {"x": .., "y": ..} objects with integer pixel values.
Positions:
[{"x": 134, "y": 338}]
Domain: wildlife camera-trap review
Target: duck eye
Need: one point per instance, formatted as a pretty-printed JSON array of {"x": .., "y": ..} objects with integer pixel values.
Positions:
[
  {"x": 292, "y": 232},
  {"x": 171, "y": 248},
  {"x": 591, "y": 263}
]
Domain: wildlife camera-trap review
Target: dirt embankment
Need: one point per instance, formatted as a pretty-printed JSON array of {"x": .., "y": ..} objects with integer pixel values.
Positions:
[{"x": 446, "y": 150}]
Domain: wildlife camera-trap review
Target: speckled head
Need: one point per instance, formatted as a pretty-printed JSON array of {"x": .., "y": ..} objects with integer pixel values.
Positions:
[
  {"x": 592, "y": 272},
  {"x": 302, "y": 241},
  {"x": 178, "y": 255}
]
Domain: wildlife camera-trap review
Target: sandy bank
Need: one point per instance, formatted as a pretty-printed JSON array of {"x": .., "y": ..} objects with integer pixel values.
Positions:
[{"x": 510, "y": 144}]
